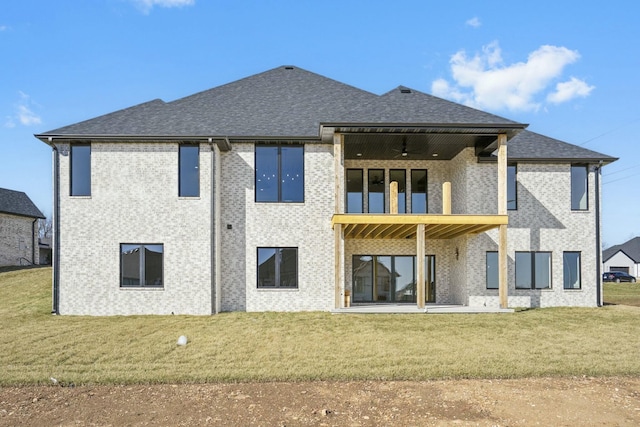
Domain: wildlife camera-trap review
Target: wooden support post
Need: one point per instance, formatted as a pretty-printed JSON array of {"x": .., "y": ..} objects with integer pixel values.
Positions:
[
  {"x": 420, "y": 253},
  {"x": 338, "y": 209},
  {"x": 393, "y": 197},
  {"x": 446, "y": 198},
  {"x": 502, "y": 210},
  {"x": 339, "y": 258}
]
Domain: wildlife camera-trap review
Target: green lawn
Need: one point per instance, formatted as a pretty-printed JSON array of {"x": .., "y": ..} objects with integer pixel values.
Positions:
[
  {"x": 622, "y": 293},
  {"x": 304, "y": 346}
]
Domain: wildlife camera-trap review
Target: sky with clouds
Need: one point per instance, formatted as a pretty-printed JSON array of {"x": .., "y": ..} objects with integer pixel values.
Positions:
[{"x": 571, "y": 73}]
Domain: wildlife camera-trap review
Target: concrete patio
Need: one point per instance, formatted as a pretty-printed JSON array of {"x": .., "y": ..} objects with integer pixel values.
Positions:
[{"x": 413, "y": 309}]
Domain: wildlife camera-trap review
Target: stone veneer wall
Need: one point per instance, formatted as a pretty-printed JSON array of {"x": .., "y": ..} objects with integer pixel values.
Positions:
[
  {"x": 17, "y": 240},
  {"x": 134, "y": 199},
  {"x": 306, "y": 226}
]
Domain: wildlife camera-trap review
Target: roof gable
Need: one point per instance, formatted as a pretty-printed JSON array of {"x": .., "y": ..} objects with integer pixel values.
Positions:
[
  {"x": 18, "y": 203},
  {"x": 630, "y": 249}
]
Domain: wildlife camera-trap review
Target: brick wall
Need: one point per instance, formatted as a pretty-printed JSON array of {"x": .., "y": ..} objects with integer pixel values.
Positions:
[
  {"x": 17, "y": 240},
  {"x": 134, "y": 199},
  {"x": 306, "y": 226}
]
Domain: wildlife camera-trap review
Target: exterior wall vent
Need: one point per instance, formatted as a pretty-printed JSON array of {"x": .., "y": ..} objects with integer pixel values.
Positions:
[
  {"x": 405, "y": 90},
  {"x": 288, "y": 68}
]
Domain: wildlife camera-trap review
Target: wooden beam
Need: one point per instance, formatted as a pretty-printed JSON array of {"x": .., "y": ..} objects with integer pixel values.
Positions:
[
  {"x": 338, "y": 261},
  {"x": 503, "y": 287},
  {"x": 338, "y": 172},
  {"x": 393, "y": 197},
  {"x": 420, "y": 253},
  {"x": 383, "y": 219},
  {"x": 446, "y": 198}
]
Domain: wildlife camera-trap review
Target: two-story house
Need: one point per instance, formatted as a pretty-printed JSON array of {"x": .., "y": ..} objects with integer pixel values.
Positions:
[{"x": 287, "y": 190}]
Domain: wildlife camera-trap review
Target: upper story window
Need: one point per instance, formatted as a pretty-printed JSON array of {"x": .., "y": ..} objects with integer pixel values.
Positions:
[
  {"x": 376, "y": 190},
  {"x": 141, "y": 265},
  {"x": 279, "y": 173},
  {"x": 80, "y": 169},
  {"x": 355, "y": 191},
  {"x": 419, "y": 191},
  {"x": 189, "y": 170},
  {"x": 579, "y": 186},
  {"x": 400, "y": 176},
  {"x": 512, "y": 192}
]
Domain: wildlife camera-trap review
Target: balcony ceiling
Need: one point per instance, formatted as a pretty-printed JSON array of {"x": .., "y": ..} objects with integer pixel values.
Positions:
[
  {"x": 415, "y": 146},
  {"x": 403, "y": 226}
]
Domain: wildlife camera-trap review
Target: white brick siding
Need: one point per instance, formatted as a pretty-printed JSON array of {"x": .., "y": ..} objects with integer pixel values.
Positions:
[
  {"x": 17, "y": 240},
  {"x": 134, "y": 199}
]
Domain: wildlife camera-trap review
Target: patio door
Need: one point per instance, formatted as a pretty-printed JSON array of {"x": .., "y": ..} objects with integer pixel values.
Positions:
[{"x": 390, "y": 278}]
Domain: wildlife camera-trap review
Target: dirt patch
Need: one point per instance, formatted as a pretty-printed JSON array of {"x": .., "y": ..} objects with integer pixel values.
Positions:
[{"x": 541, "y": 401}]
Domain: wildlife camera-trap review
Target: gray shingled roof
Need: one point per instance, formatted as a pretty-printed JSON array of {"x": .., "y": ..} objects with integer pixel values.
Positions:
[
  {"x": 289, "y": 102},
  {"x": 630, "y": 248},
  {"x": 529, "y": 145},
  {"x": 18, "y": 203},
  {"x": 283, "y": 102}
]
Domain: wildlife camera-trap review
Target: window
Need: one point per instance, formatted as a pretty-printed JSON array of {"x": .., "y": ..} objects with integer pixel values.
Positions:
[
  {"x": 376, "y": 190},
  {"x": 419, "y": 191},
  {"x": 492, "y": 270},
  {"x": 390, "y": 278},
  {"x": 189, "y": 175},
  {"x": 279, "y": 173},
  {"x": 400, "y": 176},
  {"x": 533, "y": 270},
  {"x": 512, "y": 192},
  {"x": 277, "y": 267},
  {"x": 355, "y": 191},
  {"x": 141, "y": 265},
  {"x": 80, "y": 169},
  {"x": 579, "y": 199},
  {"x": 571, "y": 270}
]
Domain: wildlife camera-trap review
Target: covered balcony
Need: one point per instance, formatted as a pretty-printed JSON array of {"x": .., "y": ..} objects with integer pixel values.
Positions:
[{"x": 395, "y": 217}]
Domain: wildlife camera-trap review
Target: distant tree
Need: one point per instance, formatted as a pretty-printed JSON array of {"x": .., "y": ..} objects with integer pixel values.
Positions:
[{"x": 45, "y": 228}]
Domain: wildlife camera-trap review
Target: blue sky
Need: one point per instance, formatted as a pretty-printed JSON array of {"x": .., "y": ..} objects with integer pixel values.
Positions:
[{"x": 569, "y": 69}]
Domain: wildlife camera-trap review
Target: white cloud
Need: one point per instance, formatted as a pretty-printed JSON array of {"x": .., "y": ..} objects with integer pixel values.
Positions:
[
  {"x": 485, "y": 81},
  {"x": 147, "y": 5},
  {"x": 474, "y": 22},
  {"x": 23, "y": 113},
  {"x": 566, "y": 91}
]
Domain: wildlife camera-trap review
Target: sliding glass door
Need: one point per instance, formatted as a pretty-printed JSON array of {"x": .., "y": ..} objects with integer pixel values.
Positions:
[{"x": 390, "y": 278}]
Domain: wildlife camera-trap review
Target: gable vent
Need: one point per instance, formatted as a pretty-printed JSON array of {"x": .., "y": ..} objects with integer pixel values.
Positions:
[
  {"x": 288, "y": 68},
  {"x": 405, "y": 90}
]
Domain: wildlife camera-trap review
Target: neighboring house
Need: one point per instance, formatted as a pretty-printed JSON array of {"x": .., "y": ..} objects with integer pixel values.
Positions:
[
  {"x": 18, "y": 229},
  {"x": 44, "y": 244},
  {"x": 624, "y": 257},
  {"x": 279, "y": 192}
]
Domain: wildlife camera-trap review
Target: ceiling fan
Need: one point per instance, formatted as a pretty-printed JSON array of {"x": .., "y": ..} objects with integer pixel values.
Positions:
[{"x": 403, "y": 152}]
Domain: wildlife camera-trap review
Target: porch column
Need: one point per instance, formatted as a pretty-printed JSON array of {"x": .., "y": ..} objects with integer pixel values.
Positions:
[
  {"x": 446, "y": 198},
  {"x": 338, "y": 209},
  {"x": 502, "y": 210},
  {"x": 393, "y": 197},
  {"x": 420, "y": 252},
  {"x": 339, "y": 264}
]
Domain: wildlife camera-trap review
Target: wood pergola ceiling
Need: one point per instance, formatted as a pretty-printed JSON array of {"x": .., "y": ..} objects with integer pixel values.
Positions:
[{"x": 403, "y": 226}]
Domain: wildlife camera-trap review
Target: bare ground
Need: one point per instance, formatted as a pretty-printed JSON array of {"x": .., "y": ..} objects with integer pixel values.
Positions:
[{"x": 539, "y": 401}]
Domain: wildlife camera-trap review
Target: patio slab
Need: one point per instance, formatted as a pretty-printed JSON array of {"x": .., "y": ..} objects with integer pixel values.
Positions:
[{"x": 413, "y": 309}]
